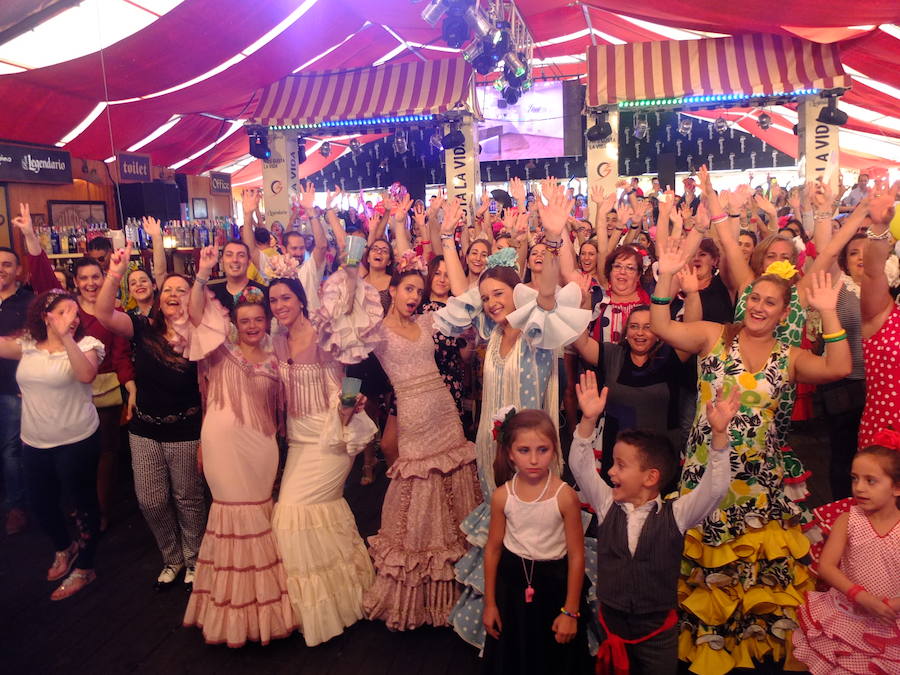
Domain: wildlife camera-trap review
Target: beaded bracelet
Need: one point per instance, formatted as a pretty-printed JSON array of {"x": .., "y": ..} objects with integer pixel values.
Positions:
[
  {"x": 660, "y": 301},
  {"x": 114, "y": 275},
  {"x": 854, "y": 591},
  {"x": 446, "y": 237},
  {"x": 878, "y": 237},
  {"x": 565, "y": 612},
  {"x": 718, "y": 219},
  {"x": 823, "y": 215},
  {"x": 201, "y": 281}
]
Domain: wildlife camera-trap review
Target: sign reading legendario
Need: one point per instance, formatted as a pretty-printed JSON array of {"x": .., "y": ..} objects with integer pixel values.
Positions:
[{"x": 34, "y": 164}]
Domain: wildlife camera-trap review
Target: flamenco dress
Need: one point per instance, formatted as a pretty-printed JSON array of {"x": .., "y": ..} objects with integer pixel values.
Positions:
[
  {"x": 240, "y": 589},
  {"x": 741, "y": 580},
  {"x": 882, "y": 358},
  {"x": 327, "y": 564}
]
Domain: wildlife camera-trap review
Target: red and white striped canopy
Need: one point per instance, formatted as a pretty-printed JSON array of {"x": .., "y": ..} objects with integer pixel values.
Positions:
[{"x": 414, "y": 88}]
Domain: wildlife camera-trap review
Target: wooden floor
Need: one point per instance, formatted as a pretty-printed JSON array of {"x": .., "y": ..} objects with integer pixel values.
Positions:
[{"x": 120, "y": 624}]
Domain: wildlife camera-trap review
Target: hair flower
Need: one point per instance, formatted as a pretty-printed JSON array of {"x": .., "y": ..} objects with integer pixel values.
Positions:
[
  {"x": 282, "y": 267},
  {"x": 887, "y": 438},
  {"x": 410, "y": 261},
  {"x": 783, "y": 269},
  {"x": 505, "y": 257},
  {"x": 501, "y": 418}
]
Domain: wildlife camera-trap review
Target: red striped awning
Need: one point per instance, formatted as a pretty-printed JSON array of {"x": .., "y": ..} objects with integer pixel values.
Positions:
[
  {"x": 414, "y": 88},
  {"x": 748, "y": 64}
]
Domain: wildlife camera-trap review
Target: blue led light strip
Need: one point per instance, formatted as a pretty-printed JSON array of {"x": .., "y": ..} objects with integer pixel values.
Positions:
[
  {"x": 370, "y": 122},
  {"x": 713, "y": 98}
]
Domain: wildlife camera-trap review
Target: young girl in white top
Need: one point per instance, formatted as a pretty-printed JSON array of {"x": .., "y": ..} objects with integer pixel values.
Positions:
[
  {"x": 534, "y": 557},
  {"x": 59, "y": 430}
]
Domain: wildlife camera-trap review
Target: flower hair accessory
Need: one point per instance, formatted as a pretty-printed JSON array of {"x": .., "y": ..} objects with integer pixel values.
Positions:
[
  {"x": 887, "y": 438},
  {"x": 282, "y": 267},
  {"x": 505, "y": 257},
  {"x": 783, "y": 269},
  {"x": 251, "y": 296},
  {"x": 501, "y": 423},
  {"x": 409, "y": 261}
]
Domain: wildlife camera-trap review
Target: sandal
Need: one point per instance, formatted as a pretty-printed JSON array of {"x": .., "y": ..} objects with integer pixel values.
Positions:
[
  {"x": 73, "y": 583},
  {"x": 62, "y": 562},
  {"x": 368, "y": 473}
]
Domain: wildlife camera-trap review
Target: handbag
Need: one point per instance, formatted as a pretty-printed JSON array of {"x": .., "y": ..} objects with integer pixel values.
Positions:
[{"x": 106, "y": 390}]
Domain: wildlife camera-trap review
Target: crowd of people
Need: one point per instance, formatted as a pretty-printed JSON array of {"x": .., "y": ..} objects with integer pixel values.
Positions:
[{"x": 585, "y": 422}]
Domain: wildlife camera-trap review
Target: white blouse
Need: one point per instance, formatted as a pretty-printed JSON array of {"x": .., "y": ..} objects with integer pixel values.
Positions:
[{"x": 57, "y": 409}]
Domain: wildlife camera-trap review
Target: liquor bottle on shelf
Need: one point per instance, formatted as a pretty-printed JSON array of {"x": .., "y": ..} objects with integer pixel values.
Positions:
[
  {"x": 80, "y": 240},
  {"x": 141, "y": 237},
  {"x": 203, "y": 234}
]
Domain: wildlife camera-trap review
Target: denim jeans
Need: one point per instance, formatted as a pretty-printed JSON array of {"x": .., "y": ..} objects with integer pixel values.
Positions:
[{"x": 11, "y": 450}]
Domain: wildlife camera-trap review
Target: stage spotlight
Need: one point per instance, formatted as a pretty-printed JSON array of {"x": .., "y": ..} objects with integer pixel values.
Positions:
[
  {"x": 301, "y": 150},
  {"x": 433, "y": 12},
  {"x": 435, "y": 139},
  {"x": 455, "y": 139},
  {"x": 511, "y": 94},
  {"x": 355, "y": 147},
  {"x": 455, "y": 31},
  {"x": 400, "y": 143},
  {"x": 259, "y": 141},
  {"x": 601, "y": 130},
  {"x": 721, "y": 125},
  {"x": 685, "y": 125},
  {"x": 481, "y": 25},
  {"x": 831, "y": 114},
  {"x": 641, "y": 127},
  {"x": 479, "y": 54},
  {"x": 516, "y": 64},
  {"x": 325, "y": 149},
  {"x": 764, "y": 121}
]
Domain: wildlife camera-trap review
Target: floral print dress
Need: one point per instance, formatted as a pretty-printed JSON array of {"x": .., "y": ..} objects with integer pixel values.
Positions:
[
  {"x": 789, "y": 331},
  {"x": 741, "y": 580}
]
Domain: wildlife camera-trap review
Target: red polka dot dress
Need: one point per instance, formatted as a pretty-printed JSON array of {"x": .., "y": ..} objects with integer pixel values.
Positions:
[
  {"x": 881, "y": 354},
  {"x": 837, "y": 635}
]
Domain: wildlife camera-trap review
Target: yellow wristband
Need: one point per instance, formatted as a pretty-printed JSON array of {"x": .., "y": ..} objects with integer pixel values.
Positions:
[{"x": 837, "y": 334}]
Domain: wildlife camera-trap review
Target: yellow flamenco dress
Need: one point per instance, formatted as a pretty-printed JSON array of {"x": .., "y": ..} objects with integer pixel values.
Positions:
[{"x": 741, "y": 580}]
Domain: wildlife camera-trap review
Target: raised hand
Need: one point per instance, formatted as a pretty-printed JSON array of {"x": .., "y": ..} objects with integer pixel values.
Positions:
[
  {"x": 209, "y": 256},
  {"x": 555, "y": 213},
  {"x": 419, "y": 219},
  {"x": 23, "y": 220},
  {"x": 604, "y": 202},
  {"x": 821, "y": 295},
  {"x": 332, "y": 196},
  {"x": 687, "y": 278},
  {"x": 672, "y": 258},
  {"x": 308, "y": 198},
  {"x": 763, "y": 203},
  {"x": 721, "y": 410},
  {"x": 591, "y": 400},
  {"x": 517, "y": 191},
  {"x": 704, "y": 179},
  {"x": 701, "y": 220},
  {"x": 250, "y": 200},
  {"x": 118, "y": 261},
  {"x": 61, "y": 323},
  {"x": 402, "y": 208},
  {"x": 452, "y": 214},
  {"x": 152, "y": 226},
  {"x": 822, "y": 197}
]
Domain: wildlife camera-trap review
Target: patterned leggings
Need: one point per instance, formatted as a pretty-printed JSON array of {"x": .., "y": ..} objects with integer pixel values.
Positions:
[{"x": 170, "y": 493}]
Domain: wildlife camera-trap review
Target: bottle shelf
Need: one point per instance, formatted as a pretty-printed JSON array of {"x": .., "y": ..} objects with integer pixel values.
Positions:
[{"x": 64, "y": 256}]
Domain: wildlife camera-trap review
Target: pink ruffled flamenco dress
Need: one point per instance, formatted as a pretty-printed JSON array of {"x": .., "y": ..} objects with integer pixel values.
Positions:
[
  {"x": 240, "y": 589},
  {"x": 836, "y": 635}
]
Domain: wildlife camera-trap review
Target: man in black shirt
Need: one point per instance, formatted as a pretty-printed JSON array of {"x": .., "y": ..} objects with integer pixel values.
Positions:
[
  {"x": 235, "y": 262},
  {"x": 14, "y": 301}
]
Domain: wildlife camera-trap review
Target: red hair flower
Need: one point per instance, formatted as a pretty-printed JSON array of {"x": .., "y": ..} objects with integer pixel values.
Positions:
[{"x": 887, "y": 438}]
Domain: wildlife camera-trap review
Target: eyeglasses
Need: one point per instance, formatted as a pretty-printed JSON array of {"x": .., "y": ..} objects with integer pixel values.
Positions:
[
  {"x": 379, "y": 249},
  {"x": 619, "y": 267}
]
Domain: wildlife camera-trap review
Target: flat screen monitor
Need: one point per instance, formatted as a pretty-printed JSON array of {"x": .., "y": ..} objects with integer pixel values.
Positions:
[{"x": 532, "y": 128}]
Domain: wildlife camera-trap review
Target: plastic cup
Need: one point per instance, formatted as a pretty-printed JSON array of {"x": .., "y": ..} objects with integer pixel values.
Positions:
[
  {"x": 118, "y": 238},
  {"x": 356, "y": 246},
  {"x": 350, "y": 387}
]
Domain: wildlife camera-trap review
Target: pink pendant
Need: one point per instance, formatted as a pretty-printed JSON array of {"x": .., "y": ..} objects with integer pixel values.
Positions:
[{"x": 529, "y": 594}]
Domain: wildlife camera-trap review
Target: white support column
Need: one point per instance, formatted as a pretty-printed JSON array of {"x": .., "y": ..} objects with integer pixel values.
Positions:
[
  {"x": 816, "y": 142},
  {"x": 603, "y": 159},
  {"x": 276, "y": 180},
  {"x": 463, "y": 171}
]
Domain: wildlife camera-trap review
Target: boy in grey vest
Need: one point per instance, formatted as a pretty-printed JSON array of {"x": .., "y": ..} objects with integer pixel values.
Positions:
[{"x": 640, "y": 536}]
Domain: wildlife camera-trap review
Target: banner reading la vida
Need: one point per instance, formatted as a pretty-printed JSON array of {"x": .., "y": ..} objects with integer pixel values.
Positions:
[
  {"x": 462, "y": 169},
  {"x": 280, "y": 177}
]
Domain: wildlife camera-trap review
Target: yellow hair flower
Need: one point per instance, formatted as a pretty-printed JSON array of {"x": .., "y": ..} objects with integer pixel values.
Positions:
[{"x": 782, "y": 269}]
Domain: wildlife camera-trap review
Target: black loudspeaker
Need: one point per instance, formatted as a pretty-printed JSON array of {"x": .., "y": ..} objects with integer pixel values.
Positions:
[
  {"x": 412, "y": 178},
  {"x": 573, "y": 120},
  {"x": 159, "y": 200},
  {"x": 181, "y": 184},
  {"x": 665, "y": 165}
]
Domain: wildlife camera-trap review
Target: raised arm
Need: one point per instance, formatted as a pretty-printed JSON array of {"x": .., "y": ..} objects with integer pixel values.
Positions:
[
  {"x": 105, "y": 306},
  {"x": 399, "y": 218},
  {"x": 84, "y": 364},
  {"x": 605, "y": 203},
  {"x": 553, "y": 215},
  {"x": 249, "y": 205},
  {"x": 340, "y": 235},
  {"x": 209, "y": 255},
  {"x": 458, "y": 282},
  {"x": 696, "y": 337},
  {"x": 875, "y": 299},
  {"x": 160, "y": 266},
  {"x": 808, "y": 368},
  {"x": 739, "y": 273},
  {"x": 24, "y": 225},
  {"x": 830, "y": 244},
  {"x": 39, "y": 267}
]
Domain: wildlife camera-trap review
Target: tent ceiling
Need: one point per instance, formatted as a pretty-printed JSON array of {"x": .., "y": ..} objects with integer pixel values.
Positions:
[{"x": 210, "y": 56}]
